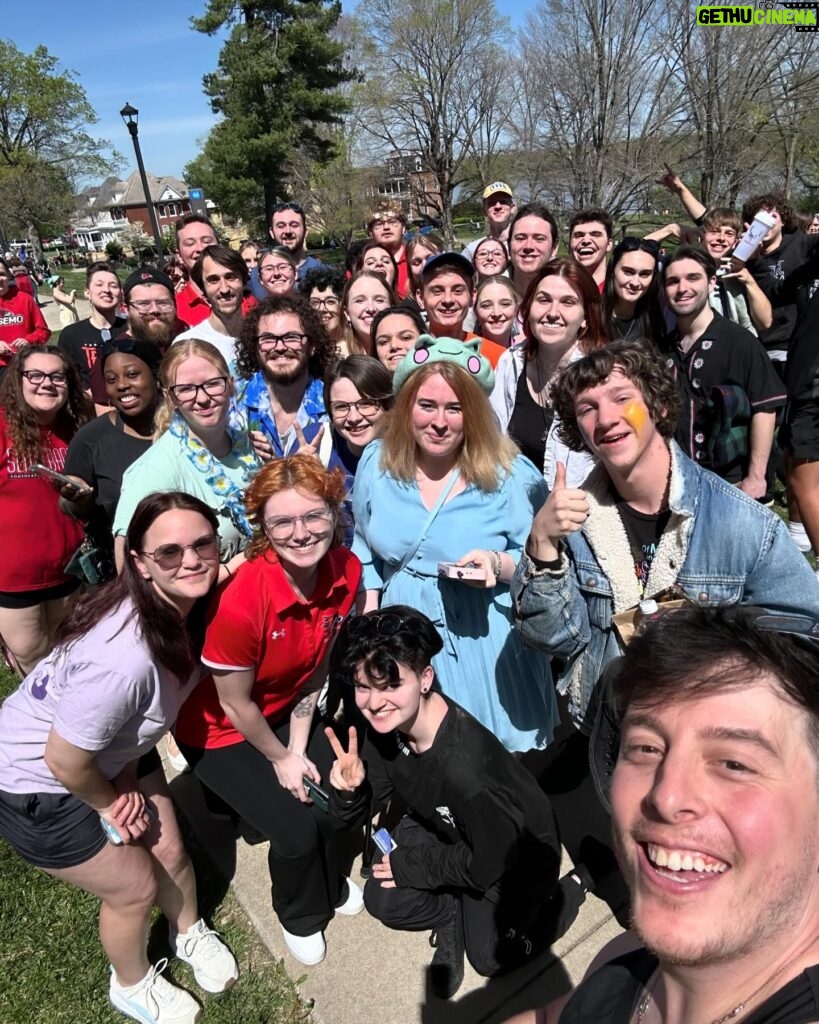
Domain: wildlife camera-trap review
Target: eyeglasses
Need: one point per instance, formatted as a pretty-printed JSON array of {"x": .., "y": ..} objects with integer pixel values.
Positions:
[
  {"x": 277, "y": 268},
  {"x": 374, "y": 624},
  {"x": 291, "y": 341},
  {"x": 364, "y": 407},
  {"x": 316, "y": 522},
  {"x": 186, "y": 394},
  {"x": 146, "y": 305},
  {"x": 36, "y": 377},
  {"x": 169, "y": 556},
  {"x": 387, "y": 220},
  {"x": 281, "y": 207},
  {"x": 331, "y": 302},
  {"x": 490, "y": 255},
  {"x": 632, "y": 244}
]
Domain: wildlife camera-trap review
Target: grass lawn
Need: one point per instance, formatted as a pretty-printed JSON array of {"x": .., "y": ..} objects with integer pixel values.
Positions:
[{"x": 53, "y": 971}]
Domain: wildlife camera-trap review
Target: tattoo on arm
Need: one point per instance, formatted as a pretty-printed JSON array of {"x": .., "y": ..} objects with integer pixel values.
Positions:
[{"x": 306, "y": 706}]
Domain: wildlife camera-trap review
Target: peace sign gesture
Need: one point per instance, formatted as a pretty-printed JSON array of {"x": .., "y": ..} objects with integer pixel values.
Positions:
[
  {"x": 309, "y": 447},
  {"x": 347, "y": 773}
]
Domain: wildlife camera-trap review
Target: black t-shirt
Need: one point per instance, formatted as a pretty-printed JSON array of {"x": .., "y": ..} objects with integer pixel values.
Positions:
[
  {"x": 99, "y": 453},
  {"x": 82, "y": 342},
  {"x": 489, "y": 817},
  {"x": 725, "y": 354},
  {"x": 529, "y": 423},
  {"x": 644, "y": 533},
  {"x": 611, "y": 995},
  {"x": 786, "y": 276}
]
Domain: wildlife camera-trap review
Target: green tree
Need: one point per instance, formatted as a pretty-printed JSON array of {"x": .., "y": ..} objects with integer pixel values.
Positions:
[
  {"x": 45, "y": 145},
  {"x": 277, "y": 87},
  {"x": 433, "y": 75}
]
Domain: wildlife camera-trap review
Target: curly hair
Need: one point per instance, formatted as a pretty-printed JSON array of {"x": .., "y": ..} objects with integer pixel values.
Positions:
[
  {"x": 321, "y": 348},
  {"x": 769, "y": 201},
  {"x": 23, "y": 425},
  {"x": 300, "y": 472},
  {"x": 640, "y": 362}
]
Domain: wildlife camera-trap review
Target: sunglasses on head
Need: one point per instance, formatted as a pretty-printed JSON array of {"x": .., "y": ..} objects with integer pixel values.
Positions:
[
  {"x": 375, "y": 624},
  {"x": 632, "y": 244}
]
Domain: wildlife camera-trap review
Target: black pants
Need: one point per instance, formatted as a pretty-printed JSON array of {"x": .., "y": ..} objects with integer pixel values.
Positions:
[
  {"x": 497, "y": 938},
  {"x": 305, "y": 871},
  {"x": 562, "y": 771}
]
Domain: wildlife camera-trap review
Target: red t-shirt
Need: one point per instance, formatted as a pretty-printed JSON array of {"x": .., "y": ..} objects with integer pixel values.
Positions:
[
  {"x": 402, "y": 284},
  {"x": 38, "y": 537},
  {"x": 193, "y": 308},
  {"x": 257, "y": 621},
  {"x": 20, "y": 317}
]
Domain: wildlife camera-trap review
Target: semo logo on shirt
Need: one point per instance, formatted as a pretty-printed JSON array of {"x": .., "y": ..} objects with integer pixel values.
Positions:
[
  {"x": 10, "y": 319},
  {"x": 53, "y": 458}
]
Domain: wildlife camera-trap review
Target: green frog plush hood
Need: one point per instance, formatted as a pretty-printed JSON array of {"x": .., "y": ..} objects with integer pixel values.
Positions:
[{"x": 466, "y": 354}]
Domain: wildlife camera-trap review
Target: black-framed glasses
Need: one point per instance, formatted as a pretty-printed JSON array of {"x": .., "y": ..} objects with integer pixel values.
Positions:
[
  {"x": 633, "y": 244},
  {"x": 281, "y": 269},
  {"x": 328, "y": 303},
  {"x": 188, "y": 393},
  {"x": 170, "y": 556},
  {"x": 318, "y": 521},
  {"x": 36, "y": 377},
  {"x": 291, "y": 341},
  {"x": 282, "y": 207},
  {"x": 364, "y": 407},
  {"x": 374, "y": 624}
]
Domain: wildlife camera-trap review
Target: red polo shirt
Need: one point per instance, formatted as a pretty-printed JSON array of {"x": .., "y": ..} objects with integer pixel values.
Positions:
[
  {"x": 257, "y": 621},
  {"x": 193, "y": 307}
]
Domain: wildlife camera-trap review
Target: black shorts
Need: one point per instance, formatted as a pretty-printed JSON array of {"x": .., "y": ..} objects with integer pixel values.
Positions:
[
  {"x": 30, "y": 598},
  {"x": 799, "y": 434},
  {"x": 57, "y": 830}
]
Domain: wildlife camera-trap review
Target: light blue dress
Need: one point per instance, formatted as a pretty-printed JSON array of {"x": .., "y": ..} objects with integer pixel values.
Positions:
[{"x": 483, "y": 666}]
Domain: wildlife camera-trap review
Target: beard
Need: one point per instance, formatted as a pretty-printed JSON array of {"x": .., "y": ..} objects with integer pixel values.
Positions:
[
  {"x": 285, "y": 375},
  {"x": 155, "y": 332}
]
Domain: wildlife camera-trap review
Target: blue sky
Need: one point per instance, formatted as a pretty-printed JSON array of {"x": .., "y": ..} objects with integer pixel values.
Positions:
[{"x": 146, "y": 55}]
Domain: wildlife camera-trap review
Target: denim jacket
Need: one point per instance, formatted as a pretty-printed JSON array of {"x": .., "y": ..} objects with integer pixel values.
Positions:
[{"x": 719, "y": 547}]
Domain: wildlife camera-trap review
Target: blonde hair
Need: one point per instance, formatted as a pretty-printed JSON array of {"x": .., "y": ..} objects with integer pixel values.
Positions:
[
  {"x": 169, "y": 367},
  {"x": 486, "y": 454}
]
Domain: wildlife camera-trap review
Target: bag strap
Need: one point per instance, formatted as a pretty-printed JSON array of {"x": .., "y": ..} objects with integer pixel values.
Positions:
[{"x": 439, "y": 504}]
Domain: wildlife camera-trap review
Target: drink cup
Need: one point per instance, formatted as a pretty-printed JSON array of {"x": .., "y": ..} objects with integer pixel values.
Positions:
[{"x": 753, "y": 237}]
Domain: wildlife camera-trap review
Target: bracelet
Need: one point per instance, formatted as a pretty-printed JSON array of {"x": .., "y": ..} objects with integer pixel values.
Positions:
[{"x": 497, "y": 563}]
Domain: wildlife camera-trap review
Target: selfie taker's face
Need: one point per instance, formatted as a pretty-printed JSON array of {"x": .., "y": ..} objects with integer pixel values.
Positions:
[
  {"x": 716, "y": 822},
  {"x": 388, "y": 706}
]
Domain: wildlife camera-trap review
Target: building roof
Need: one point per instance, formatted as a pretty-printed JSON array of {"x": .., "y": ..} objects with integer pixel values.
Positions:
[{"x": 163, "y": 189}]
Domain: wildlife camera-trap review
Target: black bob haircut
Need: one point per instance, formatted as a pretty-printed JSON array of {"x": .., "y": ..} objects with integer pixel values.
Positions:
[{"x": 382, "y": 640}]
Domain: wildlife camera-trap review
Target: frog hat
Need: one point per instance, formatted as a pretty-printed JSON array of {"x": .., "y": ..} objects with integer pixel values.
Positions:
[{"x": 466, "y": 354}]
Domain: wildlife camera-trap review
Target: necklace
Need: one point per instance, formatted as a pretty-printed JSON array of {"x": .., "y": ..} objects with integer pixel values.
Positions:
[{"x": 645, "y": 1002}]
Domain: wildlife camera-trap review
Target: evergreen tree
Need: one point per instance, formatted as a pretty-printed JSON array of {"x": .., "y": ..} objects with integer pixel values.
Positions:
[{"x": 276, "y": 86}]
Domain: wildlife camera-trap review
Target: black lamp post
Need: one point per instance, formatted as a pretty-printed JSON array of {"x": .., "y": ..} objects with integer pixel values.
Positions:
[{"x": 129, "y": 115}]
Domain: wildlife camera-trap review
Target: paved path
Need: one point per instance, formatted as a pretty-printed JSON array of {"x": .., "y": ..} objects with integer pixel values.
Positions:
[
  {"x": 51, "y": 310},
  {"x": 373, "y": 975},
  {"x": 376, "y": 976}
]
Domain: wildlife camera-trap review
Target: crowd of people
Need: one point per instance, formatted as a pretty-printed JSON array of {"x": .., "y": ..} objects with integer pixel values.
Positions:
[{"x": 475, "y": 548}]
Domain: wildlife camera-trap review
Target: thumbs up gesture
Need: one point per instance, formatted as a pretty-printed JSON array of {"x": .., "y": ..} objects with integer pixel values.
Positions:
[{"x": 564, "y": 512}]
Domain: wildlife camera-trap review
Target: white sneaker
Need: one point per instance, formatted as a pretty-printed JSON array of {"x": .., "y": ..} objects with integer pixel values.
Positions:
[
  {"x": 307, "y": 949},
  {"x": 354, "y": 902},
  {"x": 214, "y": 966},
  {"x": 154, "y": 1000}
]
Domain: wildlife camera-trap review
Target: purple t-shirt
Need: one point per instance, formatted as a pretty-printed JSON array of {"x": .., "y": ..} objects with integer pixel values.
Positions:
[{"x": 104, "y": 692}]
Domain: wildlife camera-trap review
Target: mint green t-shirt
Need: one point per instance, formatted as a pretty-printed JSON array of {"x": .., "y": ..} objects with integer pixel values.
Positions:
[{"x": 166, "y": 467}]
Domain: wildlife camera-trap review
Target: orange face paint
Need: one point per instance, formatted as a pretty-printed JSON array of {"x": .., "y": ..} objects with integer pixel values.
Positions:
[{"x": 635, "y": 414}]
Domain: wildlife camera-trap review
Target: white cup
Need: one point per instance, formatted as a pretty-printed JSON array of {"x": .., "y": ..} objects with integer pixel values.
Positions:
[{"x": 753, "y": 237}]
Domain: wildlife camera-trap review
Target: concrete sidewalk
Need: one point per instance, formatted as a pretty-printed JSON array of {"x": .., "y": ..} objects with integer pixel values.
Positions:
[{"x": 376, "y": 976}]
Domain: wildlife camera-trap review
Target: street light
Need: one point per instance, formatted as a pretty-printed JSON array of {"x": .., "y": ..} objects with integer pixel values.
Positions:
[{"x": 129, "y": 115}]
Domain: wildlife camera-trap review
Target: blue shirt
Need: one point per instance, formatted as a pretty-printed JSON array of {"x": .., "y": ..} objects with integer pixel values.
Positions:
[{"x": 254, "y": 402}]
